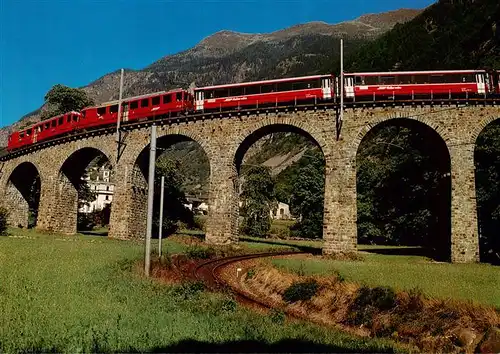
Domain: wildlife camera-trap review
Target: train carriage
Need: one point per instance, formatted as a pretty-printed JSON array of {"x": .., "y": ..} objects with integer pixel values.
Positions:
[
  {"x": 45, "y": 130},
  {"x": 415, "y": 84},
  {"x": 264, "y": 93},
  {"x": 137, "y": 108}
]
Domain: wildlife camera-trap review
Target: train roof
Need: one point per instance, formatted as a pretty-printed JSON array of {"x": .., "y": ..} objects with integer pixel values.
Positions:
[
  {"x": 312, "y": 77},
  {"x": 416, "y": 72}
]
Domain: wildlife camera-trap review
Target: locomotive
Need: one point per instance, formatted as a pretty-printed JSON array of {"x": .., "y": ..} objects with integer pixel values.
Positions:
[{"x": 357, "y": 87}]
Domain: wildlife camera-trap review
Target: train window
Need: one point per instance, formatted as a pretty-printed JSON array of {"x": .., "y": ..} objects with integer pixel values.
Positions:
[
  {"x": 252, "y": 90},
  {"x": 236, "y": 91},
  {"x": 28, "y": 132},
  {"x": 113, "y": 108},
  {"x": 155, "y": 101},
  {"x": 421, "y": 79},
  {"x": 101, "y": 111},
  {"x": 468, "y": 78},
  {"x": 221, "y": 93},
  {"x": 21, "y": 135},
  {"x": 436, "y": 79},
  {"x": 284, "y": 86},
  {"x": 53, "y": 123},
  {"x": 68, "y": 118},
  {"x": 167, "y": 99},
  {"x": 75, "y": 118},
  {"x": 61, "y": 121},
  {"x": 303, "y": 85},
  {"x": 267, "y": 88},
  {"x": 178, "y": 96},
  {"x": 145, "y": 102},
  {"x": 47, "y": 125},
  {"x": 359, "y": 80},
  {"x": 39, "y": 129},
  {"x": 387, "y": 80},
  {"x": 404, "y": 79},
  {"x": 134, "y": 105},
  {"x": 371, "y": 80}
]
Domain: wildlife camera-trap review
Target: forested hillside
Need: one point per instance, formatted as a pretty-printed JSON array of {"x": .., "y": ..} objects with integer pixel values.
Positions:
[{"x": 450, "y": 34}]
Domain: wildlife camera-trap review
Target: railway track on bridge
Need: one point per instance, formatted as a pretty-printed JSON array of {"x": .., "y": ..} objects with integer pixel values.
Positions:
[{"x": 168, "y": 119}]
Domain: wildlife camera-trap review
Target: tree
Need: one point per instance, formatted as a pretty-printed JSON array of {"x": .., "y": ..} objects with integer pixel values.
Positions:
[
  {"x": 404, "y": 189},
  {"x": 258, "y": 199},
  {"x": 4, "y": 213},
  {"x": 62, "y": 99},
  {"x": 306, "y": 202},
  {"x": 487, "y": 159},
  {"x": 174, "y": 197}
]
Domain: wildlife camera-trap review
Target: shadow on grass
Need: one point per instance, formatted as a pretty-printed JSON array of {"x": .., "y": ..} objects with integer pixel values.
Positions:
[
  {"x": 399, "y": 251},
  {"x": 253, "y": 346},
  {"x": 308, "y": 249},
  {"x": 103, "y": 233},
  {"x": 419, "y": 251}
]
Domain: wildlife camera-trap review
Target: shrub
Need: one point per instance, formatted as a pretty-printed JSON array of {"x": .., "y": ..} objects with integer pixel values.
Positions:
[
  {"x": 277, "y": 316},
  {"x": 197, "y": 252},
  {"x": 85, "y": 222},
  {"x": 370, "y": 301},
  {"x": 200, "y": 222},
  {"x": 381, "y": 297},
  {"x": 250, "y": 273},
  {"x": 189, "y": 289},
  {"x": 302, "y": 291},
  {"x": 4, "y": 213},
  {"x": 229, "y": 305}
]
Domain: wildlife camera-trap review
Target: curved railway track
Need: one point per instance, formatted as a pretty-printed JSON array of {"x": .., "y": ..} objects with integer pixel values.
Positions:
[{"x": 207, "y": 272}]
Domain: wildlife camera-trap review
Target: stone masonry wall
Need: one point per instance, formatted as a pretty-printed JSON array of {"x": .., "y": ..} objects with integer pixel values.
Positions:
[{"x": 221, "y": 138}]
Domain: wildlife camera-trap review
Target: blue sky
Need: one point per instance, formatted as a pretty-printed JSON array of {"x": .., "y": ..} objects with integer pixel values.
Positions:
[{"x": 73, "y": 42}]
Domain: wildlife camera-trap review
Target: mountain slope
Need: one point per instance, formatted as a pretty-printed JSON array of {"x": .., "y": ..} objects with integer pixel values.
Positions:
[
  {"x": 227, "y": 57},
  {"x": 450, "y": 34}
]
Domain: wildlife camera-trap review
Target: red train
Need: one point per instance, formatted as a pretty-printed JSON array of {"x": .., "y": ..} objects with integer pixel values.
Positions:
[
  {"x": 422, "y": 84},
  {"x": 264, "y": 93},
  {"x": 358, "y": 87}
]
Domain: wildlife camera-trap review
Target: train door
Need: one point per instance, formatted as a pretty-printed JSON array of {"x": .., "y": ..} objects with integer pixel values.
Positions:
[
  {"x": 481, "y": 83},
  {"x": 199, "y": 100},
  {"x": 349, "y": 86},
  {"x": 496, "y": 80},
  {"x": 125, "y": 112},
  {"x": 326, "y": 85}
]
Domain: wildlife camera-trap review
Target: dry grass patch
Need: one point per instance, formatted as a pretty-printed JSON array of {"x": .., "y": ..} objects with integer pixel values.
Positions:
[{"x": 431, "y": 325}]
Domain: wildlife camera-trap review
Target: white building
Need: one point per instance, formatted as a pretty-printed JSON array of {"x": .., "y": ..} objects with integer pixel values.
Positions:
[
  {"x": 100, "y": 181},
  {"x": 282, "y": 212}
]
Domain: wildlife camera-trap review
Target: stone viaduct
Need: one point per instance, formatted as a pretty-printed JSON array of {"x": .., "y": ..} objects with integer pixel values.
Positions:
[{"x": 225, "y": 139}]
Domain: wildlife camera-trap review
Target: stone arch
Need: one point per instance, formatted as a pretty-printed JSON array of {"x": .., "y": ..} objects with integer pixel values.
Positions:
[
  {"x": 68, "y": 181},
  {"x": 279, "y": 124},
  {"x": 489, "y": 242},
  {"x": 438, "y": 138},
  {"x": 275, "y": 123},
  {"x": 22, "y": 194},
  {"x": 137, "y": 181},
  {"x": 421, "y": 118}
]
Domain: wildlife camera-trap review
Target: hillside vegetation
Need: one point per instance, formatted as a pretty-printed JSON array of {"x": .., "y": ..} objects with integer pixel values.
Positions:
[{"x": 450, "y": 34}]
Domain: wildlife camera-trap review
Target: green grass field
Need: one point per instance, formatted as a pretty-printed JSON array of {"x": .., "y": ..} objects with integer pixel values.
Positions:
[
  {"x": 478, "y": 283},
  {"x": 80, "y": 293}
]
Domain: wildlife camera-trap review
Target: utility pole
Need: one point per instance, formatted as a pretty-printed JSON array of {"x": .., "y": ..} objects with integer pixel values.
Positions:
[
  {"x": 151, "y": 187},
  {"x": 118, "y": 120},
  {"x": 160, "y": 228},
  {"x": 341, "y": 118}
]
